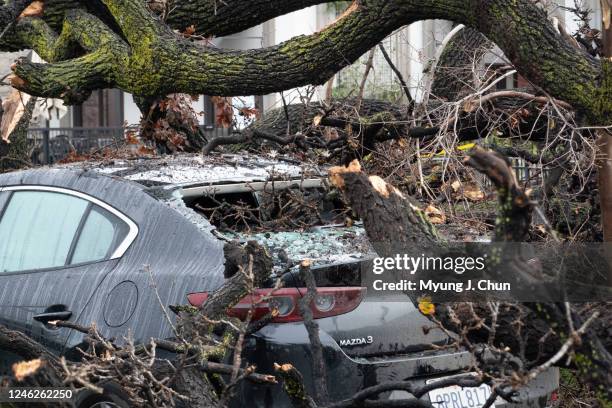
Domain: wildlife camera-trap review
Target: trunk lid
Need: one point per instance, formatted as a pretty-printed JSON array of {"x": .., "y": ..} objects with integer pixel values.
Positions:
[{"x": 377, "y": 327}]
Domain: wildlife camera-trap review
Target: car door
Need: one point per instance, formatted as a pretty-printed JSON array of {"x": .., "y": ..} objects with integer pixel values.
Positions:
[{"x": 56, "y": 247}]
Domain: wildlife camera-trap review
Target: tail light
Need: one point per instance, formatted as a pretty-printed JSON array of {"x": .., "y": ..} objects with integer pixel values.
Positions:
[{"x": 328, "y": 302}]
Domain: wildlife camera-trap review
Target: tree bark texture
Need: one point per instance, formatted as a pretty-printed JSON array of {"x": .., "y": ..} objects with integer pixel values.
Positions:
[
  {"x": 154, "y": 61},
  {"x": 392, "y": 222},
  {"x": 16, "y": 154},
  {"x": 454, "y": 74}
]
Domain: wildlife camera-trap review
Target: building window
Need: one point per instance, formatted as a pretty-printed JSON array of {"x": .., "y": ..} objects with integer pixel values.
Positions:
[
  {"x": 104, "y": 108},
  {"x": 510, "y": 82},
  {"x": 209, "y": 112}
]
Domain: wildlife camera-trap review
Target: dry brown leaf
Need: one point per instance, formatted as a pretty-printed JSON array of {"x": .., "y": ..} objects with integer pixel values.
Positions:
[
  {"x": 249, "y": 113},
  {"x": 189, "y": 31},
  {"x": 35, "y": 9},
  {"x": 224, "y": 111},
  {"x": 473, "y": 193},
  {"x": 14, "y": 107},
  {"x": 435, "y": 215},
  {"x": 469, "y": 106},
  {"x": 15, "y": 81},
  {"x": 26, "y": 368},
  {"x": 456, "y": 185}
]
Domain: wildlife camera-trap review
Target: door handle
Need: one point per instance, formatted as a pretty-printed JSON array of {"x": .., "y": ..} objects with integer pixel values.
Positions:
[{"x": 52, "y": 316}]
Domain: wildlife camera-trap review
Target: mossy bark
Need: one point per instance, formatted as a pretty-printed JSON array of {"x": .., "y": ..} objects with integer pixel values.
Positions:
[
  {"x": 454, "y": 74},
  {"x": 394, "y": 225},
  {"x": 208, "y": 17},
  {"x": 16, "y": 153},
  {"x": 153, "y": 61}
]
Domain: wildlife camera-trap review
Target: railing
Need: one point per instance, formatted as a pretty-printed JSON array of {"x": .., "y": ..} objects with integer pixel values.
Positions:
[
  {"x": 527, "y": 174},
  {"x": 50, "y": 145},
  {"x": 210, "y": 132},
  {"x": 53, "y": 144}
]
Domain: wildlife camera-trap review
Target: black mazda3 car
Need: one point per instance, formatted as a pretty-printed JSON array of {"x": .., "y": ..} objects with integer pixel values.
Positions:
[{"x": 87, "y": 243}]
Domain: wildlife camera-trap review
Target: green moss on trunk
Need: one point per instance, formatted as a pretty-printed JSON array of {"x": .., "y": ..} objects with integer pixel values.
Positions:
[{"x": 154, "y": 61}]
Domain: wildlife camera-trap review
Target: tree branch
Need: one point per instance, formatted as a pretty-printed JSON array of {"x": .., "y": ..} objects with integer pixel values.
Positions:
[
  {"x": 398, "y": 74},
  {"x": 182, "y": 66}
]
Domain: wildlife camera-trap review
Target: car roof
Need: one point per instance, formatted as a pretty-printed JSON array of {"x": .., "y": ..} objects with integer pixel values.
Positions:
[{"x": 196, "y": 169}]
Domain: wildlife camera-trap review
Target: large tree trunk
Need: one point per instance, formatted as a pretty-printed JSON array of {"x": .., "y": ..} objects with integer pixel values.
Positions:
[
  {"x": 529, "y": 40},
  {"x": 454, "y": 73}
]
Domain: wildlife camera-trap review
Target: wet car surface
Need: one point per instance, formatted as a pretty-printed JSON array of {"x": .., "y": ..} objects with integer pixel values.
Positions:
[{"x": 123, "y": 232}]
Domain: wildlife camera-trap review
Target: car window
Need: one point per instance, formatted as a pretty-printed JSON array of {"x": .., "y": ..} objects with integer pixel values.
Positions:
[
  {"x": 37, "y": 229},
  {"x": 101, "y": 234},
  {"x": 289, "y": 209}
]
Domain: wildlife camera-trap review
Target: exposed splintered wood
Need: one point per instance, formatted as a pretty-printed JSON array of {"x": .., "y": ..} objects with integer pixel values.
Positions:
[
  {"x": 391, "y": 220},
  {"x": 14, "y": 147},
  {"x": 38, "y": 367},
  {"x": 23, "y": 346},
  {"x": 389, "y": 216}
]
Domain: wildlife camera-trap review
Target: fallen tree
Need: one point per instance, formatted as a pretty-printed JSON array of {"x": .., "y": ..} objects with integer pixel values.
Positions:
[
  {"x": 512, "y": 343},
  {"x": 123, "y": 44},
  {"x": 544, "y": 329},
  {"x": 122, "y": 58},
  {"x": 513, "y": 115}
]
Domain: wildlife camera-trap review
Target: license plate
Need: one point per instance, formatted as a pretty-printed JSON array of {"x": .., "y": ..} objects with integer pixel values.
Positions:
[{"x": 455, "y": 396}]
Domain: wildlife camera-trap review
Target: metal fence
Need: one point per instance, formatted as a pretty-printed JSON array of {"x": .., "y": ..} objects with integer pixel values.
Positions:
[
  {"x": 210, "y": 132},
  {"x": 50, "y": 145},
  {"x": 527, "y": 174}
]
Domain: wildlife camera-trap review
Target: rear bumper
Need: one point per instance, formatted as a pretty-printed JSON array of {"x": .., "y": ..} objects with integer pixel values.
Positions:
[{"x": 288, "y": 343}]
